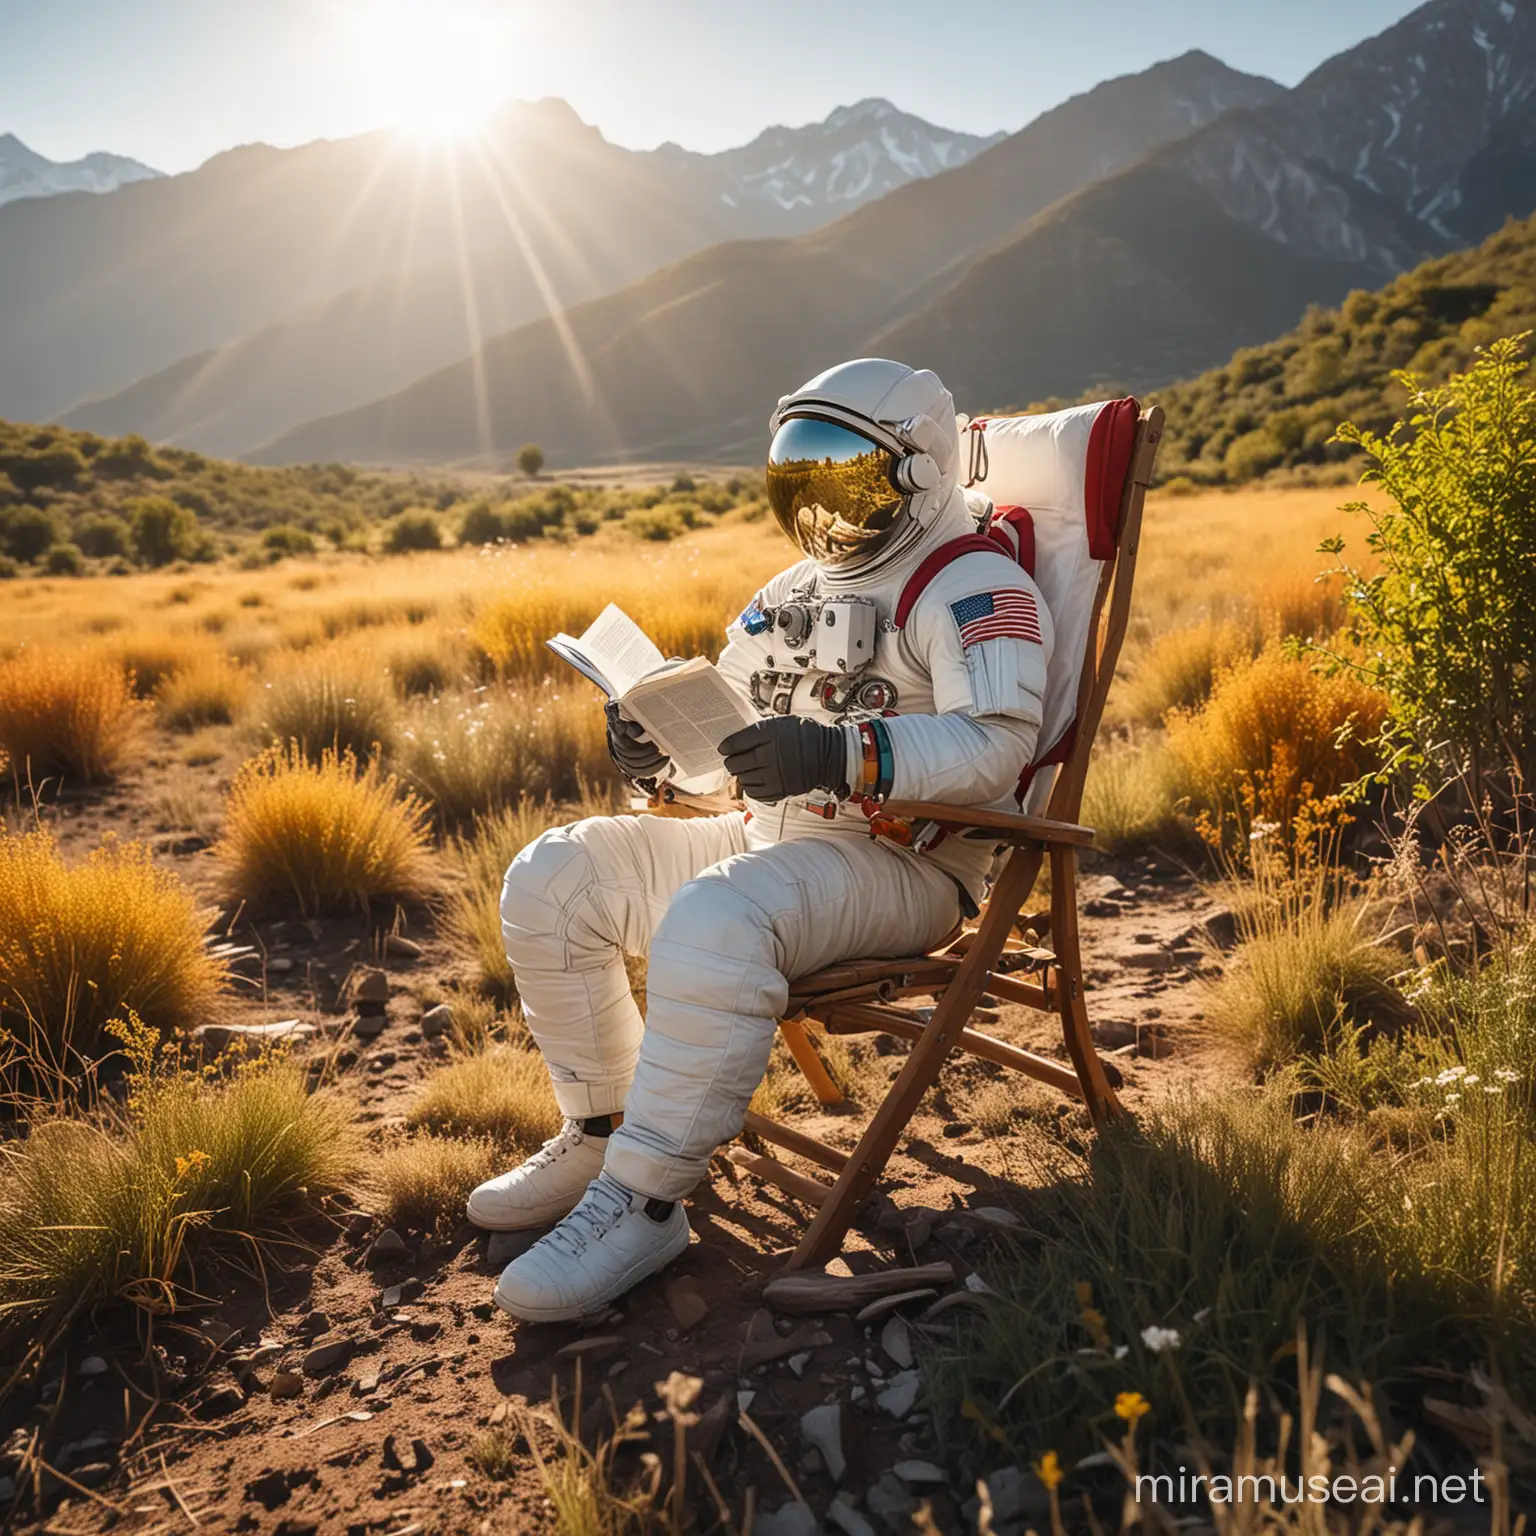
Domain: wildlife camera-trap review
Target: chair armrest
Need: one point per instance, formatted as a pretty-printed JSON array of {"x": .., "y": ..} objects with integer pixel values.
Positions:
[
  {"x": 668, "y": 801},
  {"x": 1010, "y": 827}
]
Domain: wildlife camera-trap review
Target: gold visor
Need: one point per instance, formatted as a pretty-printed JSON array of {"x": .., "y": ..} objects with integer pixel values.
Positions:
[{"x": 831, "y": 490}]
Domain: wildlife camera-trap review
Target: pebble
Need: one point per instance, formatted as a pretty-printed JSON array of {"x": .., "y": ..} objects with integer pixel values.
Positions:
[
  {"x": 884, "y": 1305},
  {"x": 437, "y": 1021},
  {"x": 368, "y": 1026},
  {"x": 327, "y": 1357},
  {"x": 920, "y": 1473},
  {"x": 398, "y": 944},
  {"x": 506, "y": 1246},
  {"x": 900, "y": 1393},
  {"x": 370, "y": 992},
  {"x": 222, "y": 1400},
  {"x": 822, "y": 1427},
  {"x": 890, "y": 1500},
  {"x": 997, "y": 1216},
  {"x": 93, "y": 1365},
  {"x": 847, "y": 1519},
  {"x": 798, "y": 1363},
  {"x": 219, "y": 1037},
  {"x": 93, "y": 1474},
  {"x": 425, "y": 1330},
  {"x": 387, "y": 1247},
  {"x": 792, "y": 1519},
  {"x": 285, "y": 1384},
  {"x": 686, "y": 1301},
  {"x": 896, "y": 1341},
  {"x": 744, "y": 1401}
]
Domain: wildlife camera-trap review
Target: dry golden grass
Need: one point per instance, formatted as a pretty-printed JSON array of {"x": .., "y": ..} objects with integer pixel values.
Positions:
[
  {"x": 1179, "y": 669},
  {"x": 151, "y": 656},
  {"x": 422, "y": 1182},
  {"x": 1275, "y": 734},
  {"x": 212, "y": 690},
  {"x": 67, "y": 714},
  {"x": 328, "y": 702},
  {"x": 1131, "y": 797},
  {"x": 324, "y": 834},
  {"x": 79, "y": 946},
  {"x": 501, "y": 1094}
]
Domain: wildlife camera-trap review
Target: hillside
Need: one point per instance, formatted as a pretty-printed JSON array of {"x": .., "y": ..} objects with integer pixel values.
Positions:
[
  {"x": 724, "y": 330},
  {"x": 1150, "y": 264},
  {"x": 217, "y": 308},
  {"x": 1276, "y": 406},
  {"x": 25, "y": 173}
]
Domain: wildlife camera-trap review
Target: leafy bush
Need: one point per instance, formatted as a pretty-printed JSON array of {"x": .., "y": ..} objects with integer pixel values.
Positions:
[
  {"x": 482, "y": 524},
  {"x": 54, "y": 465},
  {"x": 285, "y": 539},
  {"x": 64, "y": 560},
  {"x": 123, "y": 1205},
  {"x": 325, "y": 834},
  {"x": 418, "y": 529},
  {"x": 29, "y": 531},
  {"x": 1446, "y": 619},
  {"x": 67, "y": 713},
  {"x": 329, "y": 703},
  {"x": 162, "y": 530},
  {"x": 1275, "y": 736},
  {"x": 79, "y": 946},
  {"x": 103, "y": 535},
  {"x": 501, "y": 1095}
]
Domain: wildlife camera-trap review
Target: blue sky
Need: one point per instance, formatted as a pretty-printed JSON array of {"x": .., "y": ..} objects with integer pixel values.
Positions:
[{"x": 174, "y": 81}]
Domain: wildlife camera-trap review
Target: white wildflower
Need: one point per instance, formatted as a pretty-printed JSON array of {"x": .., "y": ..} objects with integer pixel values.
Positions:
[{"x": 1160, "y": 1339}]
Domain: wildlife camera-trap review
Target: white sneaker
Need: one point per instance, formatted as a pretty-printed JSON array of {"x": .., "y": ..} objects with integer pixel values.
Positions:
[
  {"x": 544, "y": 1188},
  {"x": 607, "y": 1244}
]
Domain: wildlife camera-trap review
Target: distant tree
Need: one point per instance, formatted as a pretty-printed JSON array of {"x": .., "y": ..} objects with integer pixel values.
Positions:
[
  {"x": 413, "y": 529},
  {"x": 530, "y": 459},
  {"x": 481, "y": 525},
  {"x": 130, "y": 458},
  {"x": 103, "y": 535},
  {"x": 162, "y": 531},
  {"x": 286, "y": 539},
  {"x": 28, "y": 531},
  {"x": 53, "y": 465}
]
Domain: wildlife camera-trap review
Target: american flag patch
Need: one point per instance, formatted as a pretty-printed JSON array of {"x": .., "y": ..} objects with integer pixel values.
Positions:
[{"x": 997, "y": 616}]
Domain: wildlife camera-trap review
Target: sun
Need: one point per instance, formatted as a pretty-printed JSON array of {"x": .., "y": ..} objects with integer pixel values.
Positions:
[{"x": 435, "y": 67}]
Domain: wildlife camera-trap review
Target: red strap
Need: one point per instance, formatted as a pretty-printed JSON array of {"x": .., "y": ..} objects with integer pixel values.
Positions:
[
  {"x": 1023, "y": 525},
  {"x": 945, "y": 554},
  {"x": 1058, "y": 754},
  {"x": 1110, "y": 444}
]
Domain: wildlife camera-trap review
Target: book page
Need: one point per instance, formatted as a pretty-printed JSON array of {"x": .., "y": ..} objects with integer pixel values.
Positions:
[
  {"x": 688, "y": 712},
  {"x": 623, "y": 652}
]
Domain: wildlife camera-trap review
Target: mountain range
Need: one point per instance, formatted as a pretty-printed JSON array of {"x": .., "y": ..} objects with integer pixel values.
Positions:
[
  {"x": 1131, "y": 272},
  {"x": 25, "y": 173},
  {"x": 271, "y": 285}
]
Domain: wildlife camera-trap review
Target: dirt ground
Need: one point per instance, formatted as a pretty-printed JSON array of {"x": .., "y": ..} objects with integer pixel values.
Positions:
[{"x": 196, "y": 1434}]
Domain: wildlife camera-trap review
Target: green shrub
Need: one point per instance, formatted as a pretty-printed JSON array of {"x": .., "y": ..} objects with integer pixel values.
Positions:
[
  {"x": 64, "y": 560},
  {"x": 29, "y": 531},
  {"x": 530, "y": 459},
  {"x": 102, "y": 535},
  {"x": 162, "y": 530},
  {"x": 1446, "y": 617},
  {"x": 286, "y": 539},
  {"x": 482, "y": 525},
  {"x": 55, "y": 465},
  {"x": 413, "y": 529}
]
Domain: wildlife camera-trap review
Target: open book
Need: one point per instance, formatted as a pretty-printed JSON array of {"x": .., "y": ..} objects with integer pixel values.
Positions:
[{"x": 687, "y": 708}]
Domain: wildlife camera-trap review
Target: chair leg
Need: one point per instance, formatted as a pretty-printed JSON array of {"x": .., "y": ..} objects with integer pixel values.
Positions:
[
  {"x": 1100, "y": 1097},
  {"x": 798, "y": 1038},
  {"x": 824, "y": 1237}
]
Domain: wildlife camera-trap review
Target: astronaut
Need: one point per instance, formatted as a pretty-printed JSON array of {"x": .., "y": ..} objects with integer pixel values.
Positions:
[{"x": 891, "y": 662}]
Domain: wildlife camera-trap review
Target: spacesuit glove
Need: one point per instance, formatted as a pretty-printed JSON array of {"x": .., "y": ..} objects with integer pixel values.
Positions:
[
  {"x": 787, "y": 755},
  {"x": 637, "y": 756}
]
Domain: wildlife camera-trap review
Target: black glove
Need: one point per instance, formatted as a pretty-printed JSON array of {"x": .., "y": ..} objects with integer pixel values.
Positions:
[
  {"x": 787, "y": 755},
  {"x": 637, "y": 756}
]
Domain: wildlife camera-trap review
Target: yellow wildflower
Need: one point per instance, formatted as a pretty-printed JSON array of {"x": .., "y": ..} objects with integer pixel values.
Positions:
[
  {"x": 190, "y": 1163},
  {"x": 1048, "y": 1470},
  {"x": 1130, "y": 1406}
]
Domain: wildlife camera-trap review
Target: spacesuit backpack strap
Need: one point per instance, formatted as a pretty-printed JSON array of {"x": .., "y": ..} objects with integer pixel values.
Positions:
[{"x": 1012, "y": 532}]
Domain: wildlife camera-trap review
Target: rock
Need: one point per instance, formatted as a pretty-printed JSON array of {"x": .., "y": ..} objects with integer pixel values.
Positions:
[
  {"x": 890, "y": 1501},
  {"x": 285, "y": 1384},
  {"x": 744, "y": 1401},
  {"x": 888, "y": 1304},
  {"x": 325, "y": 1358},
  {"x": 370, "y": 992},
  {"x": 388, "y": 1247},
  {"x": 1216, "y": 926},
  {"x": 483, "y": 1311},
  {"x": 358, "y": 1225},
  {"x": 847, "y": 1519},
  {"x": 225, "y": 1399},
  {"x": 93, "y": 1474},
  {"x": 1154, "y": 1043},
  {"x": 822, "y": 1427},
  {"x": 918, "y": 1230},
  {"x": 506, "y": 1246},
  {"x": 1113, "y": 1034},
  {"x": 437, "y": 1021},
  {"x": 976, "y": 1285},
  {"x": 366, "y": 1383},
  {"x": 279, "y": 965},
  {"x": 398, "y": 944},
  {"x": 798, "y": 1363},
  {"x": 297, "y": 1525},
  {"x": 390, "y": 1298},
  {"x": 896, "y": 1341},
  {"x": 1016, "y": 1495},
  {"x": 773, "y": 1347},
  {"x": 425, "y": 1329},
  {"x": 253, "y": 1037},
  {"x": 92, "y": 1365},
  {"x": 411, "y": 1289},
  {"x": 382, "y": 1062},
  {"x": 958, "y": 1235},
  {"x": 790, "y": 1519},
  {"x": 996, "y": 1216},
  {"x": 315, "y": 1322},
  {"x": 368, "y": 1026},
  {"x": 920, "y": 1474},
  {"x": 1101, "y": 906},
  {"x": 1147, "y": 959},
  {"x": 900, "y": 1393},
  {"x": 686, "y": 1301}
]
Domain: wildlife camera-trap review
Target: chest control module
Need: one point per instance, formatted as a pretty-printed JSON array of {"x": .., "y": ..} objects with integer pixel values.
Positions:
[{"x": 845, "y": 635}]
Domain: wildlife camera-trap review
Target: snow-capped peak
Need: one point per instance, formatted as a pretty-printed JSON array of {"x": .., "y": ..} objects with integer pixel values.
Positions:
[{"x": 25, "y": 173}]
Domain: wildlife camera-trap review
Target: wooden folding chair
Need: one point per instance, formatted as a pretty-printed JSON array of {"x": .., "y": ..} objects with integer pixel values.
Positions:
[{"x": 856, "y": 997}]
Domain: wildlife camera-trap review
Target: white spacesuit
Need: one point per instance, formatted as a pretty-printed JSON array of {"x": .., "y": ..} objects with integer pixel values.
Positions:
[{"x": 892, "y": 663}]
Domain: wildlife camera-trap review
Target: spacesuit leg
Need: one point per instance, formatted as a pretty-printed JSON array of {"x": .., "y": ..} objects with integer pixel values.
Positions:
[
  {"x": 575, "y": 902},
  {"x": 721, "y": 963}
]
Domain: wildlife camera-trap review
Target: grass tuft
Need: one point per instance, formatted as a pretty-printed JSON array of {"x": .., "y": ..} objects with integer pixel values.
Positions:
[
  {"x": 324, "y": 704},
  {"x": 423, "y": 1182},
  {"x": 209, "y": 691},
  {"x": 1179, "y": 669},
  {"x": 1131, "y": 798},
  {"x": 501, "y": 1094},
  {"x": 79, "y": 946},
  {"x": 67, "y": 713},
  {"x": 326, "y": 834}
]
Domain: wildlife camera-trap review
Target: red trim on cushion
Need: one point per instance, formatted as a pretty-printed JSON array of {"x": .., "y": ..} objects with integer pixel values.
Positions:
[
  {"x": 917, "y": 582},
  {"x": 1110, "y": 444},
  {"x": 1023, "y": 525},
  {"x": 1058, "y": 754}
]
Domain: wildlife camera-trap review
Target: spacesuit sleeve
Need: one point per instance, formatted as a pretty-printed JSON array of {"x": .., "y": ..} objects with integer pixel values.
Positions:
[{"x": 983, "y": 633}]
